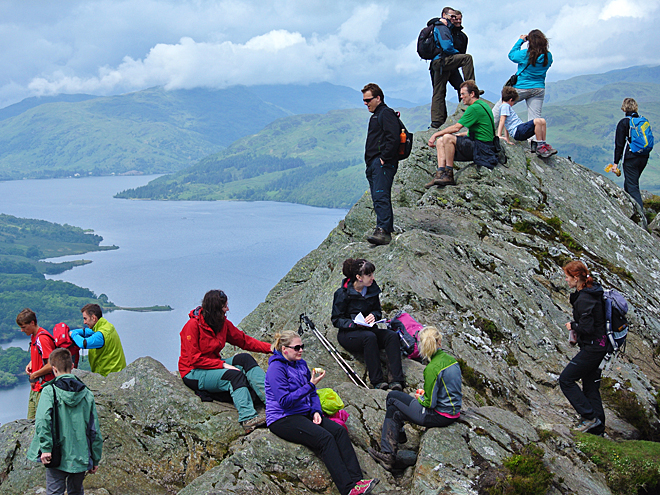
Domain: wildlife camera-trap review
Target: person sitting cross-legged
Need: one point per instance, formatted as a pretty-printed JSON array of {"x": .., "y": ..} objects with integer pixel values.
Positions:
[{"x": 519, "y": 130}]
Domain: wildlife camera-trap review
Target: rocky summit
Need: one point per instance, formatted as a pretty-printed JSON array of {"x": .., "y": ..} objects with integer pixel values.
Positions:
[{"x": 481, "y": 261}]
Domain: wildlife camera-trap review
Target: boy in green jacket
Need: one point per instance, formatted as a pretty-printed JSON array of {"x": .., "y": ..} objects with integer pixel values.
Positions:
[{"x": 79, "y": 433}]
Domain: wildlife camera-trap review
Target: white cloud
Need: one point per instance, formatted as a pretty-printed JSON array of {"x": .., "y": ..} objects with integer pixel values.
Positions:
[{"x": 114, "y": 46}]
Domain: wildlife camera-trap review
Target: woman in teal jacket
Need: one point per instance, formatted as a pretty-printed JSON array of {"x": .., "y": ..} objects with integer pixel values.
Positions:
[
  {"x": 439, "y": 404},
  {"x": 533, "y": 64}
]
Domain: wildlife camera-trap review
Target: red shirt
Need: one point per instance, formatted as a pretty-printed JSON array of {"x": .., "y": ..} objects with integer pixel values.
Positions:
[
  {"x": 201, "y": 347},
  {"x": 41, "y": 345}
]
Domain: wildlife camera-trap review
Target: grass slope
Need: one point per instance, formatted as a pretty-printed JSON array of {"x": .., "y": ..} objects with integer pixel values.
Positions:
[{"x": 310, "y": 159}]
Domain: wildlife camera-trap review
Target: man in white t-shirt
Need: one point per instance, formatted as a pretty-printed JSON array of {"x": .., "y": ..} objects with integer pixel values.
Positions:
[{"x": 519, "y": 130}]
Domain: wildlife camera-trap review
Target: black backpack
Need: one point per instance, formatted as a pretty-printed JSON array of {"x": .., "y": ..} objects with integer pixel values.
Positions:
[
  {"x": 426, "y": 47},
  {"x": 405, "y": 143}
]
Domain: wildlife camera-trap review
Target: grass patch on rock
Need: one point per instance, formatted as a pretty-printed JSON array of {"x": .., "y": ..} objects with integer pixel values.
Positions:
[
  {"x": 625, "y": 403},
  {"x": 628, "y": 465},
  {"x": 526, "y": 474}
]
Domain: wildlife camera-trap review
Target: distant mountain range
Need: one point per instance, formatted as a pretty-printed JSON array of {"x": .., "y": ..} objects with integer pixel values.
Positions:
[
  {"x": 150, "y": 131},
  {"x": 293, "y": 143}
]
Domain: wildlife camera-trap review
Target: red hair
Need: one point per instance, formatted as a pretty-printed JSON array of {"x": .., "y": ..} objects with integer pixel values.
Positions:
[{"x": 578, "y": 270}]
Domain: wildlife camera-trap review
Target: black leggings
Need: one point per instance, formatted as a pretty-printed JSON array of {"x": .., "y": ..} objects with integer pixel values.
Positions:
[
  {"x": 329, "y": 441},
  {"x": 370, "y": 342},
  {"x": 403, "y": 407}
]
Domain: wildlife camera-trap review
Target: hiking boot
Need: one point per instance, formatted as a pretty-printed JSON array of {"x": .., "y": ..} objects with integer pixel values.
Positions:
[
  {"x": 249, "y": 425},
  {"x": 435, "y": 125},
  {"x": 588, "y": 424},
  {"x": 543, "y": 151},
  {"x": 363, "y": 487},
  {"x": 379, "y": 237},
  {"x": 396, "y": 386},
  {"x": 447, "y": 178},
  {"x": 385, "y": 460},
  {"x": 436, "y": 177},
  {"x": 381, "y": 386},
  {"x": 551, "y": 149},
  {"x": 533, "y": 145}
]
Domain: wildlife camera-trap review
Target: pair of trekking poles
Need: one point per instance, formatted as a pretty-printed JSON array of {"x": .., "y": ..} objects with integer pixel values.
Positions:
[{"x": 306, "y": 324}]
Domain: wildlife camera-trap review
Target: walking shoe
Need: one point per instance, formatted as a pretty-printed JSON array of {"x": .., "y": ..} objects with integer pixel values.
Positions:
[
  {"x": 533, "y": 145},
  {"x": 381, "y": 386},
  {"x": 382, "y": 458},
  {"x": 447, "y": 177},
  {"x": 396, "y": 386},
  {"x": 249, "y": 425},
  {"x": 379, "y": 237},
  {"x": 545, "y": 151},
  {"x": 363, "y": 487},
  {"x": 588, "y": 424},
  {"x": 551, "y": 149},
  {"x": 436, "y": 177}
]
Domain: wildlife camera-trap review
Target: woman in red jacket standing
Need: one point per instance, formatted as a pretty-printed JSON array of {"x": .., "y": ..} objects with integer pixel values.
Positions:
[{"x": 204, "y": 370}]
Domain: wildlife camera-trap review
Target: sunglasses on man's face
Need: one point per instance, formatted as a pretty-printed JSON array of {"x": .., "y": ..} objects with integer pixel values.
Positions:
[
  {"x": 296, "y": 348},
  {"x": 368, "y": 100}
]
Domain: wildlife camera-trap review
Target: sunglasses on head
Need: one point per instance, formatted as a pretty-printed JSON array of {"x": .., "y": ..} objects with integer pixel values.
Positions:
[{"x": 296, "y": 348}]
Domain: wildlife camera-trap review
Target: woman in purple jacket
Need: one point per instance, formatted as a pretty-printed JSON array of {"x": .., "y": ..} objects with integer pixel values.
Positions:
[{"x": 293, "y": 413}]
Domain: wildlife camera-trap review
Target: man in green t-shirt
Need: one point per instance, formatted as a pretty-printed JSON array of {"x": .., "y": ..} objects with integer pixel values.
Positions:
[{"x": 477, "y": 145}]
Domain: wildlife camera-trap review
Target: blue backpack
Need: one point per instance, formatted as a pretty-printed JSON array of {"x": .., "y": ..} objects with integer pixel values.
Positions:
[{"x": 641, "y": 136}]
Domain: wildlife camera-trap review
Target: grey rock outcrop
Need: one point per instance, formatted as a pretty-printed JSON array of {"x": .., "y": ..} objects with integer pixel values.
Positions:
[{"x": 482, "y": 261}]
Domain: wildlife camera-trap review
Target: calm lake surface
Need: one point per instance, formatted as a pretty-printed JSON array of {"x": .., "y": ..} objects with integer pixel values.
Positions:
[{"x": 169, "y": 253}]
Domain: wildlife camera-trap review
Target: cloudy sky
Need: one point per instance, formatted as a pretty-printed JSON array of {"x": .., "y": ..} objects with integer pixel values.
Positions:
[{"x": 114, "y": 46}]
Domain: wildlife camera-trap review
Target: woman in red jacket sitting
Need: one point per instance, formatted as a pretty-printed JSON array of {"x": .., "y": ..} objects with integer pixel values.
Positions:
[{"x": 204, "y": 370}]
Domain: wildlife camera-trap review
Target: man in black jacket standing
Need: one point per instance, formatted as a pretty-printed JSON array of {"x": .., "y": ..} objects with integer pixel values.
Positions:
[
  {"x": 460, "y": 43},
  {"x": 381, "y": 156}
]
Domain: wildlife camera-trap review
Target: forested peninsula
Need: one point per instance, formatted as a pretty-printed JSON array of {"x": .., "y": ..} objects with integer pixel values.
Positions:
[{"x": 23, "y": 242}]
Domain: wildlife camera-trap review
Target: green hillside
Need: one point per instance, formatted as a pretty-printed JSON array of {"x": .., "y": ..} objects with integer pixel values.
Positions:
[
  {"x": 585, "y": 132},
  {"x": 310, "y": 159},
  {"x": 22, "y": 283},
  {"x": 580, "y": 85},
  {"x": 150, "y": 131}
]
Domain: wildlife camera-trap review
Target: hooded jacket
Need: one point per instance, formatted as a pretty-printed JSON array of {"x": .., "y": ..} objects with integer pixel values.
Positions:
[
  {"x": 81, "y": 439},
  {"x": 289, "y": 390},
  {"x": 201, "y": 346},
  {"x": 589, "y": 316},
  {"x": 348, "y": 303}
]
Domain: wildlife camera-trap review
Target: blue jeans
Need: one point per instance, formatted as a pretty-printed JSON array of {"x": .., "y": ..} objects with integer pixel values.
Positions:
[
  {"x": 381, "y": 177},
  {"x": 235, "y": 382}
]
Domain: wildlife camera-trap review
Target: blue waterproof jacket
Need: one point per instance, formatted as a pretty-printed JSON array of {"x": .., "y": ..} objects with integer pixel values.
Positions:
[
  {"x": 288, "y": 389},
  {"x": 444, "y": 40},
  {"x": 534, "y": 75}
]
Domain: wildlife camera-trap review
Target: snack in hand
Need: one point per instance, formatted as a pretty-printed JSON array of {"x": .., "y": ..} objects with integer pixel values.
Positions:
[
  {"x": 318, "y": 371},
  {"x": 420, "y": 391},
  {"x": 613, "y": 168}
]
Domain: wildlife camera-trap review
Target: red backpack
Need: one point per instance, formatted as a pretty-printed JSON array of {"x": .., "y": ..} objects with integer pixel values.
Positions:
[{"x": 62, "y": 339}]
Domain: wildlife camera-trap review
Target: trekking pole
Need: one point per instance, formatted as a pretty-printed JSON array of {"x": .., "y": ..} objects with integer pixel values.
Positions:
[{"x": 307, "y": 324}]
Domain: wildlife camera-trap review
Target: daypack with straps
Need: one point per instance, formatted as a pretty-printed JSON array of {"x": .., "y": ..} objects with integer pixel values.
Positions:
[
  {"x": 408, "y": 329},
  {"x": 62, "y": 339},
  {"x": 616, "y": 325},
  {"x": 405, "y": 138},
  {"x": 640, "y": 137},
  {"x": 427, "y": 49}
]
